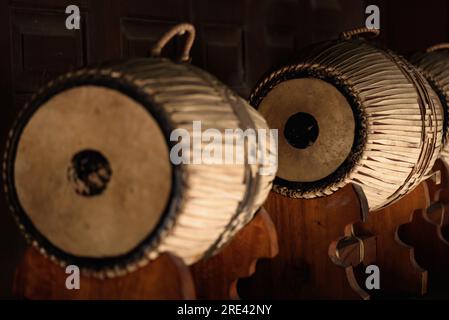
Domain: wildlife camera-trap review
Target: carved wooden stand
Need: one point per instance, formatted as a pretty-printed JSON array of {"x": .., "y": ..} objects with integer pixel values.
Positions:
[
  {"x": 165, "y": 278},
  {"x": 306, "y": 229},
  {"x": 427, "y": 232},
  {"x": 400, "y": 274},
  {"x": 325, "y": 245},
  {"x": 217, "y": 277}
]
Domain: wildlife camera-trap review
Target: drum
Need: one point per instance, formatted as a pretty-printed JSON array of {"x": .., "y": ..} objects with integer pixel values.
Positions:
[
  {"x": 434, "y": 65},
  {"x": 349, "y": 112},
  {"x": 89, "y": 170}
]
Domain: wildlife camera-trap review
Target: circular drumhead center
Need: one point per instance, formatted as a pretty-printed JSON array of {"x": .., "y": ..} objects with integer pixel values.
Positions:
[
  {"x": 89, "y": 173},
  {"x": 301, "y": 130},
  {"x": 92, "y": 172},
  {"x": 316, "y": 125}
]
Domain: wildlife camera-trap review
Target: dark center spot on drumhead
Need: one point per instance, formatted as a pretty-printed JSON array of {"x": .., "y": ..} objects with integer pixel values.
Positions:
[
  {"x": 89, "y": 173},
  {"x": 301, "y": 130}
]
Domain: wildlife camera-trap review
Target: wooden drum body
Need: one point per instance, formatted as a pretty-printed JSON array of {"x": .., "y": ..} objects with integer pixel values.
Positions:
[
  {"x": 348, "y": 112},
  {"x": 434, "y": 65},
  {"x": 88, "y": 173}
]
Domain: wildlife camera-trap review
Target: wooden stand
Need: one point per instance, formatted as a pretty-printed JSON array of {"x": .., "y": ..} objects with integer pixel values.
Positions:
[
  {"x": 427, "y": 232},
  {"x": 326, "y": 244},
  {"x": 431, "y": 249},
  {"x": 216, "y": 277},
  {"x": 310, "y": 232},
  {"x": 400, "y": 274},
  {"x": 165, "y": 278},
  {"x": 438, "y": 181},
  {"x": 442, "y": 195}
]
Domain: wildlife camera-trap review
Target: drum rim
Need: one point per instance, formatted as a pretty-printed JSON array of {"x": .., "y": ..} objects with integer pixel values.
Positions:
[
  {"x": 125, "y": 85},
  {"x": 336, "y": 179}
]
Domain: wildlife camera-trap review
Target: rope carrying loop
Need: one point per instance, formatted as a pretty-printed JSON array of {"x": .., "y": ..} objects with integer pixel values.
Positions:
[
  {"x": 438, "y": 47},
  {"x": 177, "y": 30},
  {"x": 371, "y": 33}
]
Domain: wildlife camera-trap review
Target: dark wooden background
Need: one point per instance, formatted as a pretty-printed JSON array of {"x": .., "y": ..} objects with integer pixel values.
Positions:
[{"x": 237, "y": 41}]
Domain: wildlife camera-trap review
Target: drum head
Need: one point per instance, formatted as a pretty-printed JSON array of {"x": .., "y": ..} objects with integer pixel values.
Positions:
[
  {"x": 92, "y": 172},
  {"x": 316, "y": 128}
]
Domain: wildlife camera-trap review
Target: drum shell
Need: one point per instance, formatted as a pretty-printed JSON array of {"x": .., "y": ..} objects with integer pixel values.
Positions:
[
  {"x": 378, "y": 84},
  {"x": 434, "y": 65},
  {"x": 193, "y": 226}
]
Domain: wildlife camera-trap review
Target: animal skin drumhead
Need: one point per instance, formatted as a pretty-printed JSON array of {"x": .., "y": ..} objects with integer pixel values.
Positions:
[
  {"x": 92, "y": 172},
  {"x": 316, "y": 128}
]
